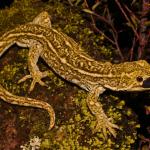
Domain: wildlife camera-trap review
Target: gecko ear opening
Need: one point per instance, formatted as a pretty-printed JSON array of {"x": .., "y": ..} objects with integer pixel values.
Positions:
[
  {"x": 42, "y": 19},
  {"x": 146, "y": 83}
]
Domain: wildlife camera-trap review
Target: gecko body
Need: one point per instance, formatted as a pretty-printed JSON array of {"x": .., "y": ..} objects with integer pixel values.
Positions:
[{"x": 67, "y": 59}]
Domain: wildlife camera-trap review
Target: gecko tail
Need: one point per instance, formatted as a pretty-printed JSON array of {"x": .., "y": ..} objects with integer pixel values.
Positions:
[{"x": 25, "y": 101}]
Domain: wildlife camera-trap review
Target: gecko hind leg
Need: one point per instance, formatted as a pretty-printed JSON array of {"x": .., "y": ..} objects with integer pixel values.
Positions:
[
  {"x": 103, "y": 122},
  {"x": 35, "y": 49},
  {"x": 36, "y": 79}
]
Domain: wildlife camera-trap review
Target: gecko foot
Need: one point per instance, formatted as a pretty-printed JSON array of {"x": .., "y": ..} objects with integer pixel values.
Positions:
[
  {"x": 104, "y": 124},
  {"x": 37, "y": 76}
]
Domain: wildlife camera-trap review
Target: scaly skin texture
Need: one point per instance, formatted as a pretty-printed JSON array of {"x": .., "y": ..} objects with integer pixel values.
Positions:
[{"x": 69, "y": 60}]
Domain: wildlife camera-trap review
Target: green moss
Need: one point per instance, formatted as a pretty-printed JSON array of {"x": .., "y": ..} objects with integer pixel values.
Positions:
[
  {"x": 77, "y": 134},
  {"x": 45, "y": 144},
  {"x": 8, "y": 74}
]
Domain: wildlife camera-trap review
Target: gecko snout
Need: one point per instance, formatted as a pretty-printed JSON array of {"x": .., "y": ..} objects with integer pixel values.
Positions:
[{"x": 146, "y": 83}]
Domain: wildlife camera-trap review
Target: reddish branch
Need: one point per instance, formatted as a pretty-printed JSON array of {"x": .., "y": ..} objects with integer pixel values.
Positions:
[
  {"x": 108, "y": 21},
  {"x": 141, "y": 35}
]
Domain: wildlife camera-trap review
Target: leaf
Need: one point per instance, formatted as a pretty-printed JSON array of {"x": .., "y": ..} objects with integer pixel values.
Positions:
[
  {"x": 88, "y": 11},
  {"x": 134, "y": 21},
  {"x": 133, "y": 2},
  {"x": 95, "y": 5},
  {"x": 129, "y": 24},
  {"x": 77, "y": 2},
  {"x": 147, "y": 23}
]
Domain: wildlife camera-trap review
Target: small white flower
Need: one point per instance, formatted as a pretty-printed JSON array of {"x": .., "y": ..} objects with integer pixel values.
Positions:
[
  {"x": 24, "y": 147},
  {"x": 35, "y": 142}
]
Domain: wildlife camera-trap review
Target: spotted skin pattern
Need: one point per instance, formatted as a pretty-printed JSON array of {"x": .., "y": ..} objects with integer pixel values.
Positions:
[{"x": 67, "y": 59}]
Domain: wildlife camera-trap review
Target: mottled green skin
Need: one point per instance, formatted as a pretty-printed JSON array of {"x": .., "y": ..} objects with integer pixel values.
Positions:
[
  {"x": 76, "y": 66},
  {"x": 85, "y": 35},
  {"x": 70, "y": 61}
]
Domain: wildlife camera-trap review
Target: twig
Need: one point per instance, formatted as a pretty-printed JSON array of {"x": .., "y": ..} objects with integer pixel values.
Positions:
[
  {"x": 102, "y": 33},
  {"x": 143, "y": 37},
  {"x": 109, "y": 23},
  {"x": 132, "y": 48},
  {"x": 127, "y": 18},
  {"x": 69, "y": 1},
  {"x": 115, "y": 36}
]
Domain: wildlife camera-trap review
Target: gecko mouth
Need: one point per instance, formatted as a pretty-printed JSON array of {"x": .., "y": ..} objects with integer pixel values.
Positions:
[{"x": 146, "y": 83}]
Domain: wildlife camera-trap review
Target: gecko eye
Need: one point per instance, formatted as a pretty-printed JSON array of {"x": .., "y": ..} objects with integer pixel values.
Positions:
[{"x": 139, "y": 79}]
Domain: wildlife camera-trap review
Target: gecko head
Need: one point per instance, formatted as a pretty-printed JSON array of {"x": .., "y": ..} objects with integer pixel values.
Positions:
[
  {"x": 42, "y": 19},
  {"x": 139, "y": 78}
]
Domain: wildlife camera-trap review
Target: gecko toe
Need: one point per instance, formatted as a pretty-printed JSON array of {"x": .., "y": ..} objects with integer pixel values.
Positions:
[
  {"x": 35, "y": 80},
  {"x": 24, "y": 78},
  {"x": 106, "y": 126},
  {"x": 37, "y": 76}
]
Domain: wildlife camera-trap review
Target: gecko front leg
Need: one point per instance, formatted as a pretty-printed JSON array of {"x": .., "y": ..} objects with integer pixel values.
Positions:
[
  {"x": 103, "y": 122},
  {"x": 34, "y": 54}
]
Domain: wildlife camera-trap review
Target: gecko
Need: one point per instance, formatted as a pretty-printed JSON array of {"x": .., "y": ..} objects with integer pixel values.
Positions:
[{"x": 71, "y": 62}]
